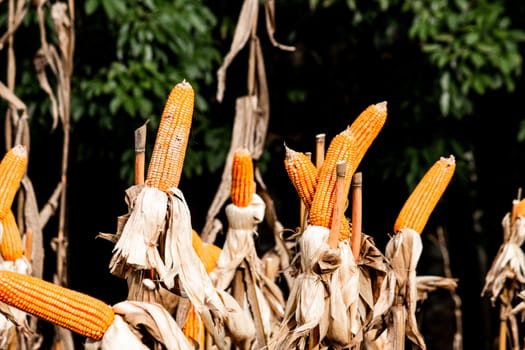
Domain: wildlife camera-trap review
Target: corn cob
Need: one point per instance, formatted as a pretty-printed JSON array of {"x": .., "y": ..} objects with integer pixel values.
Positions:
[
  {"x": 366, "y": 127},
  {"x": 208, "y": 253},
  {"x": 78, "y": 312},
  {"x": 11, "y": 246},
  {"x": 302, "y": 173},
  {"x": 243, "y": 183},
  {"x": 12, "y": 169},
  {"x": 169, "y": 150},
  {"x": 417, "y": 209},
  {"x": 520, "y": 208},
  {"x": 304, "y": 176},
  {"x": 340, "y": 149}
]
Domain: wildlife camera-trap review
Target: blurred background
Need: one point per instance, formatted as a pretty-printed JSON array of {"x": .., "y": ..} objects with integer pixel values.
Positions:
[{"x": 450, "y": 71}]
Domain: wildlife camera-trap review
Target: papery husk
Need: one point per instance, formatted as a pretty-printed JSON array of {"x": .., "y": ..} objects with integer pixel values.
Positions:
[
  {"x": 180, "y": 256},
  {"x": 136, "y": 248},
  {"x": 344, "y": 330},
  {"x": 151, "y": 320},
  {"x": 509, "y": 263},
  {"x": 403, "y": 251},
  {"x": 307, "y": 304},
  {"x": 239, "y": 243},
  {"x": 376, "y": 289},
  {"x": 239, "y": 323},
  {"x": 427, "y": 284},
  {"x": 118, "y": 336}
]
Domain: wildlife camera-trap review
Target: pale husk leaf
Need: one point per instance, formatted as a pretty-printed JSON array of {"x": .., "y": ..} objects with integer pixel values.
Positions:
[
  {"x": 118, "y": 336},
  {"x": 242, "y": 224},
  {"x": 403, "y": 250},
  {"x": 345, "y": 324},
  {"x": 136, "y": 247},
  {"x": 180, "y": 256},
  {"x": 509, "y": 263},
  {"x": 306, "y": 306},
  {"x": 155, "y": 320}
]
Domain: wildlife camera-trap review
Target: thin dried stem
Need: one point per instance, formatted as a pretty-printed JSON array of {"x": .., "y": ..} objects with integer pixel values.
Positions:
[
  {"x": 357, "y": 209},
  {"x": 333, "y": 238}
]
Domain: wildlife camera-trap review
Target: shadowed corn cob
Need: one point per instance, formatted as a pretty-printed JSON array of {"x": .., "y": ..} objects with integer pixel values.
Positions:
[
  {"x": 243, "y": 183},
  {"x": 366, "y": 127},
  {"x": 78, "y": 312},
  {"x": 208, "y": 253},
  {"x": 12, "y": 169},
  {"x": 11, "y": 247},
  {"x": 340, "y": 149},
  {"x": 417, "y": 209},
  {"x": 169, "y": 150},
  {"x": 520, "y": 208}
]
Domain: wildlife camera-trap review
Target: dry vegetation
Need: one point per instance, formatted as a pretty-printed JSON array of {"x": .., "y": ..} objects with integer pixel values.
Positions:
[{"x": 326, "y": 286}]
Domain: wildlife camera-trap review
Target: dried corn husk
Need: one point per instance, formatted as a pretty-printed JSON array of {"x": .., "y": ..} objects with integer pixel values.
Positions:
[
  {"x": 136, "y": 248},
  {"x": 345, "y": 325},
  {"x": 306, "y": 306},
  {"x": 260, "y": 296},
  {"x": 239, "y": 243},
  {"x": 403, "y": 251},
  {"x": 136, "y": 320},
  {"x": 509, "y": 263},
  {"x": 427, "y": 284}
]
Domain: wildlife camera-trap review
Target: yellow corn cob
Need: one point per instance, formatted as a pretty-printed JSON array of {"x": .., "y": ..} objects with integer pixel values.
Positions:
[
  {"x": 207, "y": 252},
  {"x": 417, "y": 209},
  {"x": 78, "y": 312},
  {"x": 243, "y": 184},
  {"x": 302, "y": 173},
  {"x": 304, "y": 177},
  {"x": 520, "y": 208},
  {"x": 12, "y": 169},
  {"x": 169, "y": 150},
  {"x": 11, "y": 246},
  {"x": 340, "y": 149},
  {"x": 366, "y": 127}
]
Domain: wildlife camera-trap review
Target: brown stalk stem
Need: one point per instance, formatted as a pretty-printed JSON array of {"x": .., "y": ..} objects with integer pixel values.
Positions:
[
  {"x": 320, "y": 140},
  {"x": 140, "y": 153},
  {"x": 357, "y": 217},
  {"x": 333, "y": 238},
  {"x": 399, "y": 320}
]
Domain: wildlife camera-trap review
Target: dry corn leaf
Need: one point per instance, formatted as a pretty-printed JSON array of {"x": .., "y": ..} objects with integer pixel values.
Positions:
[
  {"x": 239, "y": 243},
  {"x": 403, "y": 251},
  {"x": 345, "y": 324},
  {"x": 136, "y": 248},
  {"x": 118, "y": 336},
  {"x": 427, "y": 284},
  {"x": 307, "y": 302},
  {"x": 153, "y": 319},
  {"x": 509, "y": 263}
]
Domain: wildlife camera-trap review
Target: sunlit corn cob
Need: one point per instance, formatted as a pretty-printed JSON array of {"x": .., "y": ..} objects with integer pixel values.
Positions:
[
  {"x": 11, "y": 247},
  {"x": 304, "y": 177},
  {"x": 169, "y": 150},
  {"x": 341, "y": 148},
  {"x": 243, "y": 183},
  {"x": 302, "y": 173},
  {"x": 12, "y": 169},
  {"x": 366, "y": 127},
  {"x": 417, "y": 209},
  {"x": 78, "y": 312}
]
